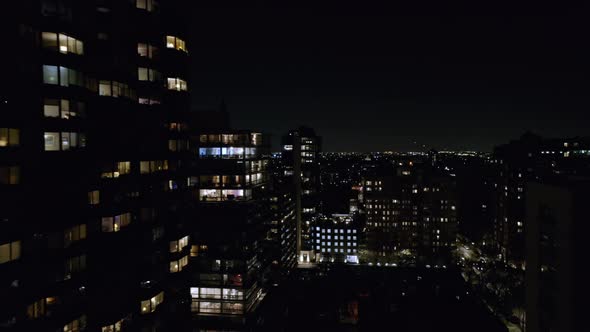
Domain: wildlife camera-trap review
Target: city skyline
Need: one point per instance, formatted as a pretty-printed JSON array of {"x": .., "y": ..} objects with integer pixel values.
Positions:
[
  {"x": 457, "y": 77},
  {"x": 141, "y": 188}
]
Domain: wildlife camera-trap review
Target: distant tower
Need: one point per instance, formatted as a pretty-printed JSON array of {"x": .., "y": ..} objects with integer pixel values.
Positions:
[{"x": 300, "y": 152}]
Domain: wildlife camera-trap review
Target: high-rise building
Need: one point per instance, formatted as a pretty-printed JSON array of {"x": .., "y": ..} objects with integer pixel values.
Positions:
[
  {"x": 92, "y": 139},
  {"x": 556, "y": 286},
  {"x": 410, "y": 208},
  {"x": 227, "y": 232},
  {"x": 281, "y": 228},
  {"x": 530, "y": 158},
  {"x": 301, "y": 148}
]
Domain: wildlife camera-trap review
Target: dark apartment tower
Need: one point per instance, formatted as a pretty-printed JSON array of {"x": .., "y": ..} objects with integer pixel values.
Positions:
[
  {"x": 228, "y": 228},
  {"x": 556, "y": 279},
  {"x": 301, "y": 148},
  {"x": 281, "y": 228},
  {"x": 530, "y": 158},
  {"x": 411, "y": 212},
  {"x": 92, "y": 176}
]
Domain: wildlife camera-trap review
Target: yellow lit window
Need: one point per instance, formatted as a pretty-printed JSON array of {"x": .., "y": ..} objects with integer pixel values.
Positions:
[
  {"x": 76, "y": 325},
  {"x": 10, "y": 175},
  {"x": 148, "y": 74},
  {"x": 149, "y": 5},
  {"x": 63, "y": 108},
  {"x": 116, "y": 223},
  {"x": 117, "y": 327},
  {"x": 150, "y": 305},
  {"x": 61, "y": 42},
  {"x": 36, "y": 309},
  {"x": 147, "y": 50},
  {"x": 115, "y": 89},
  {"x": 177, "y": 84},
  {"x": 94, "y": 197},
  {"x": 9, "y": 137},
  {"x": 9, "y": 252},
  {"x": 176, "y": 43}
]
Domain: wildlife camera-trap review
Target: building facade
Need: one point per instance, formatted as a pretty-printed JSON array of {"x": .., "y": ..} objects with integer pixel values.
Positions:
[
  {"x": 301, "y": 149},
  {"x": 555, "y": 281},
  {"x": 530, "y": 158},
  {"x": 228, "y": 229},
  {"x": 336, "y": 239},
  {"x": 92, "y": 139},
  {"x": 410, "y": 209},
  {"x": 281, "y": 227}
]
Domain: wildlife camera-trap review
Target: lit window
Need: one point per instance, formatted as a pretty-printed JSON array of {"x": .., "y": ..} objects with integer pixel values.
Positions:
[
  {"x": 63, "y": 108},
  {"x": 208, "y": 307},
  {"x": 67, "y": 44},
  {"x": 151, "y": 305},
  {"x": 176, "y": 246},
  {"x": 225, "y": 195},
  {"x": 9, "y": 137},
  {"x": 149, "y": 101},
  {"x": 149, "y": 5},
  {"x": 50, "y": 75},
  {"x": 117, "y": 327},
  {"x": 66, "y": 76},
  {"x": 210, "y": 152},
  {"x": 115, "y": 89},
  {"x": 147, "y": 50},
  {"x": 10, "y": 175},
  {"x": 51, "y": 141},
  {"x": 148, "y": 74},
  {"x": 177, "y": 266},
  {"x": 210, "y": 293},
  {"x": 116, "y": 223},
  {"x": 36, "y": 309},
  {"x": 232, "y": 294},
  {"x": 123, "y": 167},
  {"x": 76, "y": 325},
  {"x": 177, "y": 84},
  {"x": 146, "y": 167},
  {"x": 68, "y": 141},
  {"x": 74, "y": 234},
  {"x": 176, "y": 43},
  {"x": 234, "y": 308},
  {"x": 94, "y": 197},
  {"x": 9, "y": 252}
]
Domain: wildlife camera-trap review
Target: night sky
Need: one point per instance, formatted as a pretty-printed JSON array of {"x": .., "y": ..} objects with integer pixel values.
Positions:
[{"x": 372, "y": 77}]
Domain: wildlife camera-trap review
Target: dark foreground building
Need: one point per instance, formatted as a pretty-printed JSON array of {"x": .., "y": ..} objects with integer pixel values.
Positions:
[
  {"x": 529, "y": 158},
  {"x": 91, "y": 143},
  {"x": 556, "y": 277}
]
